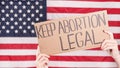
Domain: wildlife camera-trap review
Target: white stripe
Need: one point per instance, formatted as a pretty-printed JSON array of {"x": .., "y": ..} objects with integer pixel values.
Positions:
[
  {"x": 118, "y": 41},
  {"x": 73, "y": 53},
  {"x": 17, "y": 52},
  {"x": 17, "y": 64},
  {"x": 85, "y": 53},
  {"x": 82, "y": 64},
  {"x": 13, "y": 40},
  {"x": 115, "y": 29},
  {"x": 18, "y": 40},
  {"x": 83, "y": 4},
  {"x": 57, "y": 64},
  {"x": 111, "y": 17}
]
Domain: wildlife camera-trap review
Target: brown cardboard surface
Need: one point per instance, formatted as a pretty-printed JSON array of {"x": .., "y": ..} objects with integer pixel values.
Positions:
[{"x": 72, "y": 33}]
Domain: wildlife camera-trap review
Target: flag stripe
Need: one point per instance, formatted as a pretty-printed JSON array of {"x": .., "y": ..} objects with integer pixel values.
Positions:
[
  {"x": 111, "y": 17},
  {"x": 115, "y": 30},
  {"x": 58, "y": 64},
  {"x": 59, "y": 58},
  {"x": 83, "y": 4},
  {"x": 18, "y": 40},
  {"x": 18, "y": 46},
  {"x": 17, "y": 58},
  {"x": 33, "y": 46},
  {"x": 114, "y": 23},
  {"x": 83, "y": 58},
  {"x": 90, "y": 0},
  {"x": 82, "y": 64},
  {"x": 17, "y": 64},
  {"x": 81, "y": 10},
  {"x": 117, "y": 36},
  {"x": 11, "y": 40},
  {"x": 17, "y": 52}
]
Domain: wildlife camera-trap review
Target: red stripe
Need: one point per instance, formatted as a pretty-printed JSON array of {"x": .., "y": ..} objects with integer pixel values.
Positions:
[
  {"x": 81, "y": 10},
  {"x": 91, "y": 0},
  {"x": 99, "y": 48},
  {"x": 114, "y": 23},
  {"x": 80, "y": 67},
  {"x": 117, "y": 36},
  {"x": 18, "y": 46},
  {"x": 16, "y": 58},
  {"x": 82, "y": 58},
  {"x": 59, "y": 58}
]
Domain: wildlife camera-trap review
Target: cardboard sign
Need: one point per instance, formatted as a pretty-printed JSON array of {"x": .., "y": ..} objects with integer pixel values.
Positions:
[{"x": 72, "y": 33}]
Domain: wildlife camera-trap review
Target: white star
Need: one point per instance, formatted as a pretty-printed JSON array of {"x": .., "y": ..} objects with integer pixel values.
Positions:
[
  {"x": 11, "y": 11},
  {"x": 20, "y": 19},
  {"x": 37, "y": 19},
  {"x": 7, "y": 15},
  {"x": 32, "y": 31},
  {"x": 3, "y": 2},
  {"x": 16, "y": 31},
  {"x": 11, "y": 2},
  {"x": 24, "y": 15},
  {"x": 20, "y": 27},
  {"x": 24, "y": 23},
  {"x": 32, "y": 23},
  {"x": 15, "y": 15},
  {"x": 3, "y": 19},
  {"x": 24, "y": 31},
  {"x": 32, "y": 7},
  {"x": 20, "y": 11},
  {"x": 32, "y": 15},
  {"x": 28, "y": 3},
  {"x": 28, "y": 19},
  {"x": 41, "y": 7},
  {"x": 7, "y": 7},
  {"x": 37, "y": 11},
  {"x": 19, "y": 2},
  {"x": 12, "y": 27},
  {"x": 28, "y": 27},
  {"x": 16, "y": 23},
  {"x": 24, "y": 7},
  {"x": 11, "y": 18},
  {"x": 3, "y": 27},
  {"x": 7, "y": 23},
  {"x": 41, "y": 15},
  {"x": 3, "y": 11},
  {"x": 7, "y": 31},
  {"x": 36, "y": 2},
  {"x": 28, "y": 11},
  {"x": 15, "y": 7}
]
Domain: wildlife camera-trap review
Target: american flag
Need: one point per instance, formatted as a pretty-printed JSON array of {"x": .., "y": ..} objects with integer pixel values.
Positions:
[{"x": 18, "y": 42}]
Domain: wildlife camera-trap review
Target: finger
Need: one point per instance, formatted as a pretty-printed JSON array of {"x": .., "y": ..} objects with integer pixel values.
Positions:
[
  {"x": 110, "y": 34},
  {"x": 105, "y": 42},
  {"x": 38, "y": 51},
  {"x": 109, "y": 46},
  {"x": 42, "y": 55},
  {"x": 38, "y": 57},
  {"x": 44, "y": 63},
  {"x": 43, "y": 59}
]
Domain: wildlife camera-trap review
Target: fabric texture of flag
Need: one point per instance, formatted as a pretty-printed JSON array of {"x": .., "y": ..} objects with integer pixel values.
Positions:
[{"x": 18, "y": 41}]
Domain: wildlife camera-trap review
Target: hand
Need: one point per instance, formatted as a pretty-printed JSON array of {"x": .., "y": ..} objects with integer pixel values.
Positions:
[
  {"x": 41, "y": 59},
  {"x": 111, "y": 46}
]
